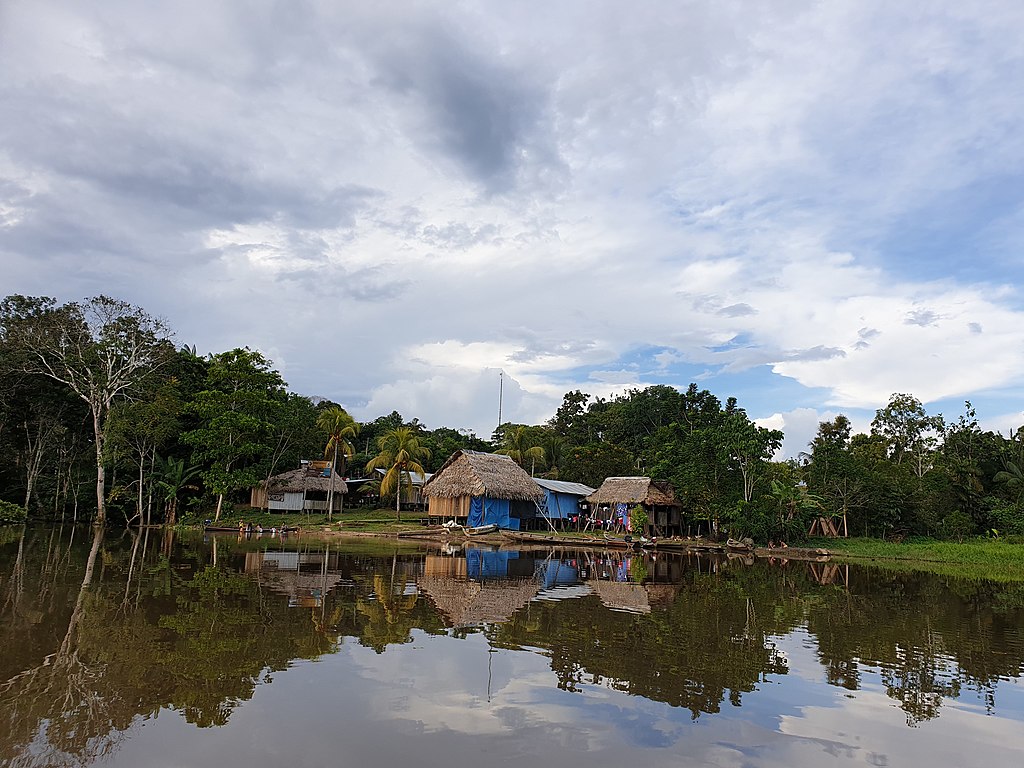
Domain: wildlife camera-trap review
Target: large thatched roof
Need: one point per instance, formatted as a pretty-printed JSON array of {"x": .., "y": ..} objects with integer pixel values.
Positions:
[
  {"x": 466, "y": 603},
  {"x": 471, "y": 473},
  {"x": 297, "y": 480},
  {"x": 622, "y": 595},
  {"x": 634, "y": 490}
]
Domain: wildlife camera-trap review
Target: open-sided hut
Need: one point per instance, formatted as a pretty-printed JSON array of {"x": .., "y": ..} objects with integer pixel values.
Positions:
[
  {"x": 482, "y": 489},
  {"x": 619, "y": 494},
  {"x": 299, "y": 489}
]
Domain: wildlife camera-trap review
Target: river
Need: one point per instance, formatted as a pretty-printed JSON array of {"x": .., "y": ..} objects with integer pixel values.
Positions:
[{"x": 162, "y": 649}]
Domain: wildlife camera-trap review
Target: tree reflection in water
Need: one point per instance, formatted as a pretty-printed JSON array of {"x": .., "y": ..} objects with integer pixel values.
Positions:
[{"x": 100, "y": 634}]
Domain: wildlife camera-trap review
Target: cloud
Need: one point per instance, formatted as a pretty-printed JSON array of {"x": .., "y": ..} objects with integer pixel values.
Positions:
[{"x": 400, "y": 208}]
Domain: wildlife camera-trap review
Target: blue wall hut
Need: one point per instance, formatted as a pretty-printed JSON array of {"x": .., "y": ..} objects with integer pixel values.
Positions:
[
  {"x": 562, "y": 499},
  {"x": 482, "y": 489}
]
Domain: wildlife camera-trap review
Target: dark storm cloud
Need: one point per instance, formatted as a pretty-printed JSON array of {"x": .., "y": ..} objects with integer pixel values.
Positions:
[
  {"x": 197, "y": 182},
  {"x": 482, "y": 113}
]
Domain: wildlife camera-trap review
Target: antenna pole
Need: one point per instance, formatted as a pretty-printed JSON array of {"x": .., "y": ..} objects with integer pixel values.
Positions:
[{"x": 501, "y": 392}]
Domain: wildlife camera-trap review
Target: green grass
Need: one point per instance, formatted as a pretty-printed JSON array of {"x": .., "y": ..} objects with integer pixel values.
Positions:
[
  {"x": 357, "y": 519},
  {"x": 998, "y": 559}
]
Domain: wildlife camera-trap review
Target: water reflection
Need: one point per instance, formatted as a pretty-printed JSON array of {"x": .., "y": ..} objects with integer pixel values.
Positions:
[{"x": 102, "y": 634}]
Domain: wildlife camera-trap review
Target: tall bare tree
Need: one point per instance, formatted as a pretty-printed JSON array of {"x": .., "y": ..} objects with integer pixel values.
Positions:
[{"x": 100, "y": 348}]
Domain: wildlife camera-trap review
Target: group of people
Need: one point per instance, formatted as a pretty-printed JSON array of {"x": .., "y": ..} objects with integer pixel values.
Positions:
[{"x": 244, "y": 528}]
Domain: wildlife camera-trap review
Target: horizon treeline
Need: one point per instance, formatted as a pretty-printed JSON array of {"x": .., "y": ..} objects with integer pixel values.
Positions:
[{"x": 103, "y": 417}]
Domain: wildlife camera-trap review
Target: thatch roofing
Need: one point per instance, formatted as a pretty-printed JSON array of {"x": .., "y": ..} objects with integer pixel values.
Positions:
[
  {"x": 471, "y": 473},
  {"x": 634, "y": 490},
  {"x": 622, "y": 595},
  {"x": 464, "y": 603},
  {"x": 297, "y": 480}
]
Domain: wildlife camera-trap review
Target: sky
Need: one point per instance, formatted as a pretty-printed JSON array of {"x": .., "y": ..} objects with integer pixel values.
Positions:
[{"x": 808, "y": 206}]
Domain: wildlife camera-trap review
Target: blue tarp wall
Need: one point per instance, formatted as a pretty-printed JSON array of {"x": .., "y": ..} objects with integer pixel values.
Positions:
[
  {"x": 561, "y": 505},
  {"x": 487, "y": 511},
  {"x": 488, "y": 564},
  {"x": 560, "y": 572}
]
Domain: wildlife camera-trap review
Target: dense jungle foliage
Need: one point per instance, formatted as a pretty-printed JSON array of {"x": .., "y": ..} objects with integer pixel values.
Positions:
[{"x": 102, "y": 417}]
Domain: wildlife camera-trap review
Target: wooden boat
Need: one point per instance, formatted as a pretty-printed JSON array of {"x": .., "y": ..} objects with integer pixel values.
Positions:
[
  {"x": 738, "y": 546},
  {"x": 611, "y": 541},
  {"x": 424, "y": 533},
  {"x": 479, "y": 530},
  {"x": 535, "y": 538}
]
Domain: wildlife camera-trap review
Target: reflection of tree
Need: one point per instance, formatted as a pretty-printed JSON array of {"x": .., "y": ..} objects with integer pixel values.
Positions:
[
  {"x": 53, "y": 706},
  {"x": 928, "y": 637},
  {"x": 713, "y": 642},
  {"x": 389, "y": 615}
]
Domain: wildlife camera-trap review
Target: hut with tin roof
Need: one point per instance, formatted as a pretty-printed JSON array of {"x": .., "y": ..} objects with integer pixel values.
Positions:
[{"x": 482, "y": 489}]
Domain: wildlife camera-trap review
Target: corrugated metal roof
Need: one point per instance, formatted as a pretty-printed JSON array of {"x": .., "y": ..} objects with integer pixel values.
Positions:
[
  {"x": 561, "y": 486},
  {"x": 416, "y": 477}
]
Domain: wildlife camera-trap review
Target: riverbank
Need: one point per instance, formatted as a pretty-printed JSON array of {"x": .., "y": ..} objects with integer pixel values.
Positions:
[{"x": 997, "y": 559}]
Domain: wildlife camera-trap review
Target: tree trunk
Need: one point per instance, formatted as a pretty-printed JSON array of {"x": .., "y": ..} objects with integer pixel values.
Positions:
[
  {"x": 398, "y": 498},
  {"x": 101, "y": 489},
  {"x": 220, "y": 504}
]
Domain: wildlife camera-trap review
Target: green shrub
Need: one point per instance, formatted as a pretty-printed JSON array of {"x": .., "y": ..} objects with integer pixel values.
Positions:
[
  {"x": 1007, "y": 518},
  {"x": 957, "y": 525},
  {"x": 12, "y": 514}
]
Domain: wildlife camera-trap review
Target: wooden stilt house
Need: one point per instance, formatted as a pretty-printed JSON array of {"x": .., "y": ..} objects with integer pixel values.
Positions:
[
  {"x": 476, "y": 488},
  {"x": 617, "y": 495}
]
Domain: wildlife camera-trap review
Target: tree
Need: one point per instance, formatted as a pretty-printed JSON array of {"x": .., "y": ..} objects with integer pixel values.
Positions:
[
  {"x": 339, "y": 426},
  {"x": 173, "y": 478},
  {"x": 911, "y": 434},
  {"x": 236, "y": 413},
  {"x": 100, "y": 348},
  {"x": 749, "y": 448},
  {"x": 400, "y": 455},
  {"x": 520, "y": 445}
]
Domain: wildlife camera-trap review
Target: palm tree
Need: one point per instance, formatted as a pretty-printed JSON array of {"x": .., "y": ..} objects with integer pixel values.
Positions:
[
  {"x": 518, "y": 446},
  {"x": 1012, "y": 478},
  {"x": 174, "y": 477},
  {"x": 400, "y": 455},
  {"x": 339, "y": 426}
]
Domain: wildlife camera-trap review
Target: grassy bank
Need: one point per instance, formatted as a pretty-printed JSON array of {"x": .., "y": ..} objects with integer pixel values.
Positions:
[
  {"x": 999, "y": 559},
  {"x": 359, "y": 519}
]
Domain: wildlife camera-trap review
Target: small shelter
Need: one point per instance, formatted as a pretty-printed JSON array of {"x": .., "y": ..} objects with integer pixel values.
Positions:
[
  {"x": 482, "y": 489},
  {"x": 620, "y": 494},
  {"x": 298, "y": 490},
  {"x": 412, "y": 494},
  {"x": 561, "y": 499}
]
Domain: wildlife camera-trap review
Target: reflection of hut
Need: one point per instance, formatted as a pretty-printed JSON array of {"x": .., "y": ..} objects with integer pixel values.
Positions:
[
  {"x": 283, "y": 573},
  {"x": 300, "y": 489},
  {"x": 622, "y": 595},
  {"x": 466, "y": 603},
  {"x": 655, "y": 496},
  {"x": 561, "y": 499},
  {"x": 482, "y": 489},
  {"x": 661, "y": 595}
]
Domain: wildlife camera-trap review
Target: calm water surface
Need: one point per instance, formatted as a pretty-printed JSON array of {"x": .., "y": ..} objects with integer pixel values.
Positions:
[{"x": 157, "y": 650}]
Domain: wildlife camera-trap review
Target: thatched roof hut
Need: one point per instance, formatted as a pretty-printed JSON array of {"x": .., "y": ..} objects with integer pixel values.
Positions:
[
  {"x": 472, "y": 473},
  {"x": 634, "y": 490},
  {"x": 290, "y": 490},
  {"x": 483, "y": 488},
  {"x": 656, "y": 496}
]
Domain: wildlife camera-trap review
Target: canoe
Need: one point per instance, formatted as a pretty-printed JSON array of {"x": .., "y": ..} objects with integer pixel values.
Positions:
[{"x": 479, "y": 530}]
